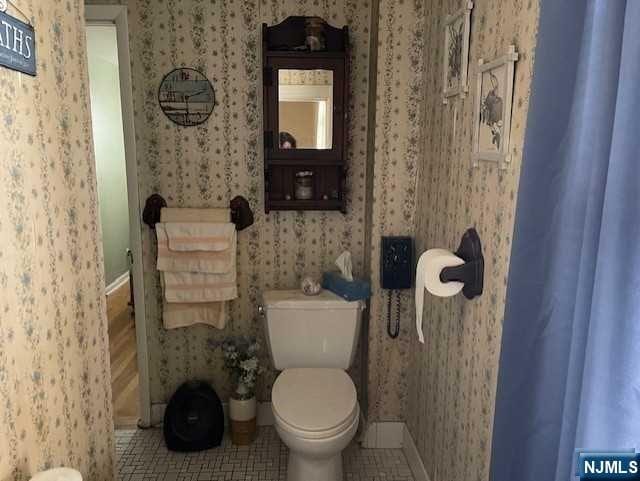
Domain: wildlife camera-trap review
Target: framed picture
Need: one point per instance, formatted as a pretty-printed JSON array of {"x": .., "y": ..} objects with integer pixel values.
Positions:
[
  {"x": 492, "y": 112},
  {"x": 456, "y": 52},
  {"x": 186, "y": 97}
]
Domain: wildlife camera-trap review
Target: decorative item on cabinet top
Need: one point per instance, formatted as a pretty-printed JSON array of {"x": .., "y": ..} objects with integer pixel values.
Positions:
[
  {"x": 306, "y": 89},
  {"x": 241, "y": 213}
]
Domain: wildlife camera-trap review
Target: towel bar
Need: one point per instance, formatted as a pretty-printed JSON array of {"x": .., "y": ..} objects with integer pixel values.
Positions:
[{"x": 241, "y": 213}]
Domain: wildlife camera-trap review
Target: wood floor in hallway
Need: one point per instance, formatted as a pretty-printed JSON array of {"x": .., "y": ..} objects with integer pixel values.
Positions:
[{"x": 124, "y": 363}]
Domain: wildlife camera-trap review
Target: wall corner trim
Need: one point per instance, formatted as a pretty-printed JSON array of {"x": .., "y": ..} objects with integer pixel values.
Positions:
[
  {"x": 413, "y": 456},
  {"x": 395, "y": 435},
  {"x": 383, "y": 435}
]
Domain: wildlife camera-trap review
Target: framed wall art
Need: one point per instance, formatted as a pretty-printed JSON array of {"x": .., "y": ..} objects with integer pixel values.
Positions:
[
  {"x": 457, "y": 30},
  {"x": 492, "y": 112},
  {"x": 186, "y": 97}
]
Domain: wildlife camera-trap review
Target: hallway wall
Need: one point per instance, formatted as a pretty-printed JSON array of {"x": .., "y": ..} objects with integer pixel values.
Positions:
[
  {"x": 108, "y": 138},
  {"x": 55, "y": 393}
]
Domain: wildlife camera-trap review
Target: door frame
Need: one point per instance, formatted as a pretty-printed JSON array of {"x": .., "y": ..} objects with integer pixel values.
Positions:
[{"x": 117, "y": 15}]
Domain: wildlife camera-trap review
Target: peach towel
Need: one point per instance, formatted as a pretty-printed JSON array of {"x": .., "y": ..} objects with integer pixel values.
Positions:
[
  {"x": 187, "y": 314},
  {"x": 198, "y": 287},
  {"x": 198, "y": 270},
  {"x": 199, "y": 236},
  {"x": 212, "y": 262}
]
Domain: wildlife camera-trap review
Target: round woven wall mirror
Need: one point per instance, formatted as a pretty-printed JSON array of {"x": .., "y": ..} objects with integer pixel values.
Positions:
[{"x": 187, "y": 97}]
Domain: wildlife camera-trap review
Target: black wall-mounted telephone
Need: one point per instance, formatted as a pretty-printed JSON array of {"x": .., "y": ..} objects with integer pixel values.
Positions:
[{"x": 396, "y": 269}]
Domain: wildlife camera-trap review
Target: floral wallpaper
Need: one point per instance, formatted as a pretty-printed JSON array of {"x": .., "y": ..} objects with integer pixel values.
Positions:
[
  {"x": 210, "y": 164},
  {"x": 54, "y": 362},
  {"x": 398, "y": 147},
  {"x": 451, "y": 379}
]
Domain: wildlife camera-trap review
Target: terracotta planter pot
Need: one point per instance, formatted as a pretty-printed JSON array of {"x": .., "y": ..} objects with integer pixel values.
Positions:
[{"x": 242, "y": 414}]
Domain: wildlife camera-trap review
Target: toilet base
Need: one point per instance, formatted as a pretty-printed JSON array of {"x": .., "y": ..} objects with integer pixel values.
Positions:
[
  {"x": 302, "y": 468},
  {"x": 315, "y": 459}
]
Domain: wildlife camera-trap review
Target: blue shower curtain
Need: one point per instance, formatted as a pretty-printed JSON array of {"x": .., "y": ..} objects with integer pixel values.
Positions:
[{"x": 570, "y": 362}]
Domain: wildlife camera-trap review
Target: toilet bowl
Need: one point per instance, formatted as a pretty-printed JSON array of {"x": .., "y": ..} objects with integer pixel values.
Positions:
[{"x": 316, "y": 415}]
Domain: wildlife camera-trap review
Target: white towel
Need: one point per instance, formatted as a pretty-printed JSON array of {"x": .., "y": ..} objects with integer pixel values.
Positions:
[
  {"x": 199, "y": 236},
  {"x": 213, "y": 262},
  {"x": 184, "y": 315},
  {"x": 196, "y": 287},
  {"x": 174, "y": 214}
]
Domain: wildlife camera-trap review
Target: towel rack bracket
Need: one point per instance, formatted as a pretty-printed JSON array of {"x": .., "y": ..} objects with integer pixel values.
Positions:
[{"x": 152, "y": 208}]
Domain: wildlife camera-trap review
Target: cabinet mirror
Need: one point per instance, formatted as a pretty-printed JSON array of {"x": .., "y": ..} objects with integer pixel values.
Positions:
[{"x": 305, "y": 109}]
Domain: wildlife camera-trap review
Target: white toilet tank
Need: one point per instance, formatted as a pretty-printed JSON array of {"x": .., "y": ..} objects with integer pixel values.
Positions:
[{"x": 311, "y": 331}]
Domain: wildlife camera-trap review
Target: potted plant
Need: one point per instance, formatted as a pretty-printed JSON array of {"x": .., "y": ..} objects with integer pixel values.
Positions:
[{"x": 241, "y": 360}]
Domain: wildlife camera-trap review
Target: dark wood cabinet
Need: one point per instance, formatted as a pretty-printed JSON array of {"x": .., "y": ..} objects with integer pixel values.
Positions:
[{"x": 306, "y": 88}]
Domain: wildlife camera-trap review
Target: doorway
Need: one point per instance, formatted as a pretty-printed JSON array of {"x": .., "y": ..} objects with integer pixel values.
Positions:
[{"x": 116, "y": 172}]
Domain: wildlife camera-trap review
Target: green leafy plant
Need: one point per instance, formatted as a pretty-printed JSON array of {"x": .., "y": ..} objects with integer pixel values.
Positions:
[{"x": 242, "y": 362}]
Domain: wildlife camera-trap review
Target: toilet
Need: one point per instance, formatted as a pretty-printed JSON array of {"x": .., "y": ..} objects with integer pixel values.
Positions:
[{"x": 313, "y": 341}]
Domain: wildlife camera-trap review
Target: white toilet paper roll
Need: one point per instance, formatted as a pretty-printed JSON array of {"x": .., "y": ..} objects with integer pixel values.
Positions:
[
  {"x": 435, "y": 261},
  {"x": 430, "y": 266}
]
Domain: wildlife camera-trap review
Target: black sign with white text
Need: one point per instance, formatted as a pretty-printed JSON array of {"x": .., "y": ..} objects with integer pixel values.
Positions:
[{"x": 17, "y": 45}]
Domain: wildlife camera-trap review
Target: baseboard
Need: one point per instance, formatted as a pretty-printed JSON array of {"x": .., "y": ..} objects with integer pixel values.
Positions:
[
  {"x": 413, "y": 456},
  {"x": 395, "y": 435},
  {"x": 264, "y": 413},
  {"x": 117, "y": 283},
  {"x": 362, "y": 429},
  {"x": 383, "y": 435},
  {"x": 157, "y": 413}
]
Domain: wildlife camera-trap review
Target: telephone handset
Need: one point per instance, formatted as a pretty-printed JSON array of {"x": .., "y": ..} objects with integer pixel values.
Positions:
[{"x": 396, "y": 267}]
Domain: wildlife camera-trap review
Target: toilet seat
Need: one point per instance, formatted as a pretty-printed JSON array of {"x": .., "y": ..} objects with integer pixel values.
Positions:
[{"x": 315, "y": 403}]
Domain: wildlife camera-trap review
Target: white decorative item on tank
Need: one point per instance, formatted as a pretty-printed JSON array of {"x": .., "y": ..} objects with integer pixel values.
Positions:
[{"x": 310, "y": 287}]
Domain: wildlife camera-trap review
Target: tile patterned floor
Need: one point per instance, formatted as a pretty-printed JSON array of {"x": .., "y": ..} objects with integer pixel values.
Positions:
[{"x": 142, "y": 456}]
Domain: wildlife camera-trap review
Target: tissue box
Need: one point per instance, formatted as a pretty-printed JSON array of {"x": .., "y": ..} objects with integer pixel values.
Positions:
[{"x": 356, "y": 290}]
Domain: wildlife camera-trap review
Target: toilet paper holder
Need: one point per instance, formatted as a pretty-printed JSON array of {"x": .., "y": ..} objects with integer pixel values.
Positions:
[{"x": 471, "y": 273}]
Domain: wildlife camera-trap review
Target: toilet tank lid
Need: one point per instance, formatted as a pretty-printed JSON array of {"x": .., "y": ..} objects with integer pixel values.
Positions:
[{"x": 295, "y": 299}]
